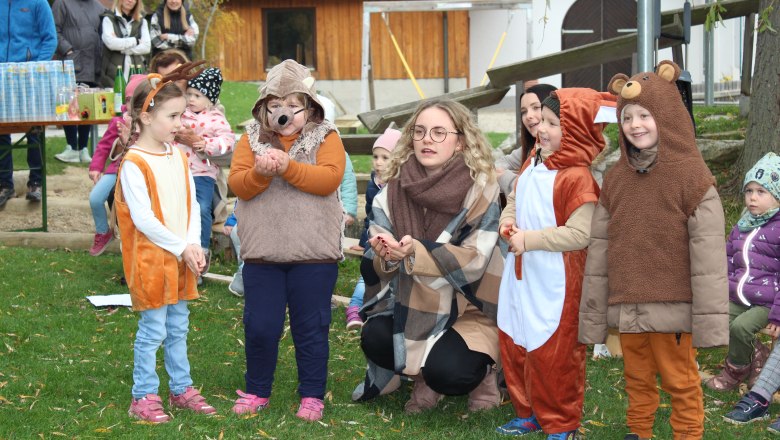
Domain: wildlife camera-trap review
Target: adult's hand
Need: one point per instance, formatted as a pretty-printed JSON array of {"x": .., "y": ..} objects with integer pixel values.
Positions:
[{"x": 187, "y": 136}]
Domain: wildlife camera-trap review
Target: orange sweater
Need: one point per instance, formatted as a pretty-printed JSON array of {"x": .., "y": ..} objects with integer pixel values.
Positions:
[{"x": 321, "y": 179}]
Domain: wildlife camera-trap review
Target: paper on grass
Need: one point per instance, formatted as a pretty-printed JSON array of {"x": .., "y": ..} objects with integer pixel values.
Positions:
[{"x": 120, "y": 299}]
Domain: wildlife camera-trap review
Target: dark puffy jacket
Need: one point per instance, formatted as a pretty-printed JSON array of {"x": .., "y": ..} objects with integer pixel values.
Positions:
[
  {"x": 372, "y": 189},
  {"x": 78, "y": 29},
  {"x": 756, "y": 281}
]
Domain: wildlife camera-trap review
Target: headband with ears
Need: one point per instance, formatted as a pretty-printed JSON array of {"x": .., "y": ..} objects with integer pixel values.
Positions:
[{"x": 158, "y": 81}]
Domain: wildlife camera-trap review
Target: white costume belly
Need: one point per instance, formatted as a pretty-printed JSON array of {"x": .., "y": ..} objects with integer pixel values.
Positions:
[{"x": 529, "y": 310}]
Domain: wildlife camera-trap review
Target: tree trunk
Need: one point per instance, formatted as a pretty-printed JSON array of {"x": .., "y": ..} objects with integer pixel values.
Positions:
[
  {"x": 206, "y": 30},
  {"x": 763, "y": 131}
]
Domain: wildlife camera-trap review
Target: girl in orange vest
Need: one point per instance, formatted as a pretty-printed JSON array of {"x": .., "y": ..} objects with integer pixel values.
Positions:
[{"x": 159, "y": 221}]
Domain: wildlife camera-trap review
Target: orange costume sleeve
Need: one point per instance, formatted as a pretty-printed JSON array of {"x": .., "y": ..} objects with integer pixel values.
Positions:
[{"x": 320, "y": 179}]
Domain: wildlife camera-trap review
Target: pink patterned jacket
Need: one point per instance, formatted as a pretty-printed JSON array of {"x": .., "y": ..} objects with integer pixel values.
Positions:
[{"x": 214, "y": 128}]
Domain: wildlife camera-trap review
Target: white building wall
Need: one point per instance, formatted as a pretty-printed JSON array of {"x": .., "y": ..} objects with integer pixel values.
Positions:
[{"x": 545, "y": 39}]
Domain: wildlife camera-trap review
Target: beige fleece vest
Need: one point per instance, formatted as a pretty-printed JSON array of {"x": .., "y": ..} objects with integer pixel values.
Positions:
[{"x": 284, "y": 224}]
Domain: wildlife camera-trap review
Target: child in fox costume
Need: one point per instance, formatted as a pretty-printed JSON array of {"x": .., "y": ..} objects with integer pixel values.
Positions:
[{"x": 548, "y": 228}]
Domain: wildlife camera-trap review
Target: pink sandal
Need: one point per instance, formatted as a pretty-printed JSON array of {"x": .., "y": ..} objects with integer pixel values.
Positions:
[{"x": 193, "y": 400}]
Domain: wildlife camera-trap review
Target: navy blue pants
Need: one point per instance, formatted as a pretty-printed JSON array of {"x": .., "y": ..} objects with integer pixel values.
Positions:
[{"x": 305, "y": 289}]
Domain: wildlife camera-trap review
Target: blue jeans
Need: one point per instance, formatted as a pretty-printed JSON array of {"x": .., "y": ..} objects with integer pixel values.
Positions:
[
  {"x": 166, "y": 325},
  {"x": 204, "y": 193},
  {"x": 357, "y": 295},
  {"x": 237, "y": 246},
  {"x": 97, "y": 201},
  {"x": 304, "y": 290},
  {"x": 7, "y": 162}
]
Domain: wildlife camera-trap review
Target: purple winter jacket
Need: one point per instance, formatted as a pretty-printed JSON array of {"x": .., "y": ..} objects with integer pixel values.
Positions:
[{"x": 760, "y": 277}]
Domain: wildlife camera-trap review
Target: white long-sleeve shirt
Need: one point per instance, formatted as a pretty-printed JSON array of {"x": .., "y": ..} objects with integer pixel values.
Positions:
[
  {"x": 125, "y": 43},
  {"x": 168, "y": 177}
]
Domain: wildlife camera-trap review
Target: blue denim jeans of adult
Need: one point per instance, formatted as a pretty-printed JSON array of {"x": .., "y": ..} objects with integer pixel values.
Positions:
[
  {"x": 303, "y": 289},
  {"x": 7, "y": 162},
  {"x": 357, "y": 294},
  {"x": 97, "y": 201},
  {"x": 204, "y": 193},
  {"x": 237, "y": 246},
  {"x": 167, "y": 325}
]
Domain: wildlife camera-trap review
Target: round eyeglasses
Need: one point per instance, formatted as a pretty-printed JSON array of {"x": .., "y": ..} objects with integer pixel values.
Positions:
[{"x": 437, "y": 134}]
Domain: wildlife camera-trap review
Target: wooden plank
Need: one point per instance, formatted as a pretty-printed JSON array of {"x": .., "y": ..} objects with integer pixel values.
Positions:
[
  {"x": 53, "y": 240},
  {"x": 609, "y": 50},
  {"x": 378, "y": 120},
  {"x": 359, "y": 143},
  {"x": 576, "y": 58}
]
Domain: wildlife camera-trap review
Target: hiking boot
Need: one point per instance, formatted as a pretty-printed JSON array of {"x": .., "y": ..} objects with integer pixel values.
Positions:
[
  {"x": 760, "y": 355},
  {"x": 310, "y": 409},
  {"x": 249, "y": 403},
  {"x": 193, "y": 400},
  {"x": 729, "y": 378},
  {"x": 101, "y": 243},
  {"x": 69, "y": 155},
  {"x": 236, "y": 287},
  {"x": 148, "y": 409},
  {"x": 354, "y": 321},
  {"x": 422, "y": 398},
  {"x": 5, "y": 195},
  {"x": 520, "y": 426},
  {"x": 34, "y": 193},
  {"x": 485, "y": 395},
  {"x": 568, "y": 435},
  {"x": 84, "y": 156},
  {"x": 747, "y": 410}
]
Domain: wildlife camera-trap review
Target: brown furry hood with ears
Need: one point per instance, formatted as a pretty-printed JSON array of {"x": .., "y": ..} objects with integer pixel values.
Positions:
[{"x": 286, "y": 78}]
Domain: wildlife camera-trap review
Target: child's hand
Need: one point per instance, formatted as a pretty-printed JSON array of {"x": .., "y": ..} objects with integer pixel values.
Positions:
[
  {"x": 349, "y": 220},
  {"x": 505, "y": 230},
  {"x": 773, "y": 330},
  {"x": 187, "y": 136},
  {"x": 265, "y": 165},
  {"x": 517, "y": 241},
  {"x": 282, "y": 158},
  {"x": 227, "y": 230},
  {"x": 94, "y": 176},
  {"x": 193, "y": 258},
  {"x": 123, "y": 128}
]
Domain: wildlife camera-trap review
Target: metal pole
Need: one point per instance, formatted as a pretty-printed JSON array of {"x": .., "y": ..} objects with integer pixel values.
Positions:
[
  {"x": 365, "y": 63},
  {"x": 709, "y": 66},
  {"x": 645, "y": 35},
  {"x": 445, "y": 30}
]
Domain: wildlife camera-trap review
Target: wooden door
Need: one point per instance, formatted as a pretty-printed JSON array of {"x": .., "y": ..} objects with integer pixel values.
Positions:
[{"x": 589, "y": 21}]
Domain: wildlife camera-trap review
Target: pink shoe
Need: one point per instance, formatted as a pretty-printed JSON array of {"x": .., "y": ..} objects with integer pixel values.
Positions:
[
  {"x": 310, "y": 409},
  {"x": 101, "y": 242},
  {"x": 148, "y": 409},
  {"x": 191, "y": 399},
  {"x": 353, "y": 318},
  {"x": 249, "y": 403}
]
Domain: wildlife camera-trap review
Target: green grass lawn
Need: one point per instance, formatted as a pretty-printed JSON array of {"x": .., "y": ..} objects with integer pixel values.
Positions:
[{"x": 66, "y": 369}]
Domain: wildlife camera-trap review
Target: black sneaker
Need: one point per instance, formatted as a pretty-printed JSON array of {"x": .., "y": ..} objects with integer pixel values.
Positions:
[
  {"x": 5, "y": 194},
  {"x": 34, "y": 193},
  {"x": 747, "y": 410}
]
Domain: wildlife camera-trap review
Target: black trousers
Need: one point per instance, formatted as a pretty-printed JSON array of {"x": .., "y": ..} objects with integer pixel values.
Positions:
[{"x": 451, "y": 368}]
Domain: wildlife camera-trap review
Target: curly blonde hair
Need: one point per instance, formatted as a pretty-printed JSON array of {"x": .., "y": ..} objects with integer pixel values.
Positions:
[{"x": 477, "y": 152}]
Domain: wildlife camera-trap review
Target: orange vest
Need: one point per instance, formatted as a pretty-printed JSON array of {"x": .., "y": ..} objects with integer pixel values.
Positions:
[{"x": 155, "y": 277}]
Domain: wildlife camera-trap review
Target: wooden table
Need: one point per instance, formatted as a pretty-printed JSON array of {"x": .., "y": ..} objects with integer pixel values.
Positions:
[{"x": 39, "y": 127}]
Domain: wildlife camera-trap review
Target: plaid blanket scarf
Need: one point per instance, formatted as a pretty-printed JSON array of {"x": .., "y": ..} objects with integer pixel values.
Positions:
[{"x": 423, "y": 307}]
